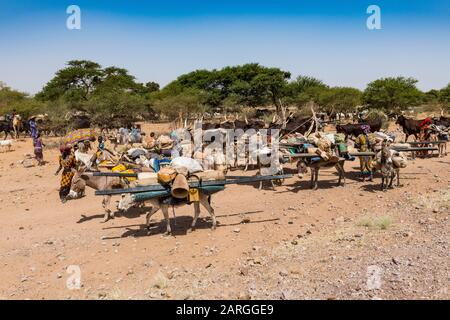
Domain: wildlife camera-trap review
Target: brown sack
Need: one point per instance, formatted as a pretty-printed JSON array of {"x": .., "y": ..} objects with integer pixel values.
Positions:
[
  {"x": 322, "y": 154},
  {"x": 211, "y": 175}
]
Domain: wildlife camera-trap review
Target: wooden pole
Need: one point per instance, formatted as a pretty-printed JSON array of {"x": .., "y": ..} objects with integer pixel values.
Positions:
[{"x": 159, "y": 187}]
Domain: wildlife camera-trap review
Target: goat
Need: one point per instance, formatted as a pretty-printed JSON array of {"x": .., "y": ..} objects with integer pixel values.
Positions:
[
  {"x": 6, "y": 145},
  {"x": 127, "y": 202}
]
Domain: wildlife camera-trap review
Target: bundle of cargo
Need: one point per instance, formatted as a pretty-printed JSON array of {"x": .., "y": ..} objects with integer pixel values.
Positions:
[
  {"x": 324, "y": 143},
  {"x": 164, "y": 142},
  {"x": 177, "y": 176}
]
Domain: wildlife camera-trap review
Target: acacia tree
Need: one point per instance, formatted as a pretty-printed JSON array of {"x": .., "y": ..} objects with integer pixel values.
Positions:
[
  {"x": 340, "y": 99},
  {"x": 392, "y": 94},
  {"x": 182, "y": 105},
  {"x": 249, "y": 85},
  {"x": 74, "y": 83},
  {"x": 303, "y": 90}
]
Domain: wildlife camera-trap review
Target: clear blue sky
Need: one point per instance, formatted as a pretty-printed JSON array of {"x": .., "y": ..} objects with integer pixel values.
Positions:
[{"x": 160, "y": 40}]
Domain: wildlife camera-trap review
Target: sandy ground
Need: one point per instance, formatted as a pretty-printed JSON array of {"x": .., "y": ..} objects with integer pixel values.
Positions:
[{"x": 353, "y": 242}]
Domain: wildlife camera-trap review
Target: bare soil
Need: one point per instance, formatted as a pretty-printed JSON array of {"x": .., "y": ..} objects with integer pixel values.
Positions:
[{"x": 353, "y": 242}]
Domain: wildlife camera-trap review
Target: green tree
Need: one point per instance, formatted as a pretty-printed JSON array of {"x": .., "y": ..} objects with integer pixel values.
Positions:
[
  {"x": 75, "y": 83},
  {"x": 303, "y": 90},
  {"x": 249, "y": 85},
  {"x": 9, "y": 97},
  {"x": 392, "y": 94},
  {"x": 182, "y": 105},
  {"x": 340, "y": 99},
  {"x": 444, "y": 96}
]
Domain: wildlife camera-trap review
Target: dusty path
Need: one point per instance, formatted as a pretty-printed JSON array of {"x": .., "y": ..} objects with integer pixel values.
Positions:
[{"x": 334, "y": 243}]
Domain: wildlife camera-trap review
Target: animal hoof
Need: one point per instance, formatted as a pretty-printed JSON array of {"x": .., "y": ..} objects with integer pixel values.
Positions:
[
  {"x": 213, "y": 228},
  {"x": 190, "y": 230}
]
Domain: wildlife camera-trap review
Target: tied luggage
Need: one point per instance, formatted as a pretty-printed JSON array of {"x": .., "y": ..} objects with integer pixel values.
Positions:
[{"x": 166, "y": 175}]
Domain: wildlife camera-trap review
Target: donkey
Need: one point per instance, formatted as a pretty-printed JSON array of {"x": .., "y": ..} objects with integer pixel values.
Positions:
[
  {"x": 127, "y": 201},
  {"x": 302, "y": 167},
  {"x": 82, "y": 179},
  {"x": 388, "y": 169}
]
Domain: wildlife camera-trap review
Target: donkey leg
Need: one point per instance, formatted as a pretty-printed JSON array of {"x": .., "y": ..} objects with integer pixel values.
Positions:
[
  {"x": 206, "y": 202},
  {"x": 149, "y": 215},
  {"x": 196, "y": 215},
  {"x": 316, "y": 179},
  {"x": 165, "y": 210},
  {"x": 108, "y": 213}
]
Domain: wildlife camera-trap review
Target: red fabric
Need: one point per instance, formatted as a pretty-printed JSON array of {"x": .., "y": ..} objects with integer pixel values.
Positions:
[{"x": 426, "y": 122}]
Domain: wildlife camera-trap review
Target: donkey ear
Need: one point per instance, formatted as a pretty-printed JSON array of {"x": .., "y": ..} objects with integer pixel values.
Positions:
[{"x": 84, "y": 176}]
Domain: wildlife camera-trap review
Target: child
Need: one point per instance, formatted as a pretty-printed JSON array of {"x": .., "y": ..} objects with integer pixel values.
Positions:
[{"x": 38, "y": 152}]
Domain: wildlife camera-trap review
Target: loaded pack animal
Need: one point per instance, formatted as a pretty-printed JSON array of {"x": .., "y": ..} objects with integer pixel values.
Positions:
[
  {"x": 357, "y": 129},
  {"x": 84, "y": 178},
  {"x": 387, "y": 168},
  {"x": 127, "y": 201},
  {"x": 409, "y": 126},
  {"x": 315, "y": 166}
]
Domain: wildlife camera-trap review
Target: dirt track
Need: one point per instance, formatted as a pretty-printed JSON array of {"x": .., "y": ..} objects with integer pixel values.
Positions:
[{"x": 288, "y": 243}]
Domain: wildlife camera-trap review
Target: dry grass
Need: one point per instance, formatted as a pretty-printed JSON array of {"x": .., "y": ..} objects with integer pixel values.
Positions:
[{"x": 381, "y": 223}]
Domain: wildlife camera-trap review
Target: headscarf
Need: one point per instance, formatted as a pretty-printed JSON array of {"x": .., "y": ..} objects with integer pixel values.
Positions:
[
  {"x": 365, "y": 128},
  {"x": 65, "y": 149}
]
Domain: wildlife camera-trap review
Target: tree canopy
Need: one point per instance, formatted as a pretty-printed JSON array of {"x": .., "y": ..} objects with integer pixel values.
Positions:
[
  {"x": 107, "y": 92},
  {"x": 393, "y": 94},
  {"x": 444, "y": 96}
]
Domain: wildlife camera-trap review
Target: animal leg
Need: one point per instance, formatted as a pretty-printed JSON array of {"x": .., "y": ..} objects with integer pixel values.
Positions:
[
  {"x": 149, "y": 215},
  {"x": 165, "y": 210},
  {"x": 206, "y": 202},
  {"x": 392, "y": 175},
  {"x": 196, "y": 215},
  {"x": 108, "y": 213}
]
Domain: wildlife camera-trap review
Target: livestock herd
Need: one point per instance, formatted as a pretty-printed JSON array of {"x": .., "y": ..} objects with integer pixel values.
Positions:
[{"x": 301, "y": 141}]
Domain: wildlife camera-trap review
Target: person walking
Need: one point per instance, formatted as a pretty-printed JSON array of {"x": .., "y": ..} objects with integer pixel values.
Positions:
[{"x": 67, "y": 162}]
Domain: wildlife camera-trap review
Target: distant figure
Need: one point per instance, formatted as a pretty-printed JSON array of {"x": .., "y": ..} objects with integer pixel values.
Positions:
[
  {"x": 38, "y": 150},
  {"x": 33, "y": 127},
  {"x": 363, "y": 143}
]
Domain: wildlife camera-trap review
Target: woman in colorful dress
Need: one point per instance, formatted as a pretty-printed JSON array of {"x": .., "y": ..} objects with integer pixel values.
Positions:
[{"x": 67, "y": 162}]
